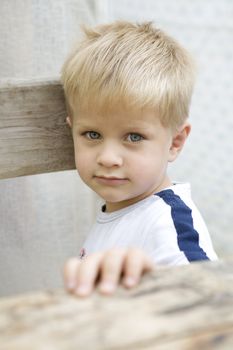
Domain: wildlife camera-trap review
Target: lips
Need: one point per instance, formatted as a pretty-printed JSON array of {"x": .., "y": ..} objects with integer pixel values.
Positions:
[{"x": 110, "y": 180}]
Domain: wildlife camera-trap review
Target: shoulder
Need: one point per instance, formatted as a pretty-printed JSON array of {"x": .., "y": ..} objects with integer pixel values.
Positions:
[
  {"x": 176, "y": 192},
  {"x": 182, "y": 226}
]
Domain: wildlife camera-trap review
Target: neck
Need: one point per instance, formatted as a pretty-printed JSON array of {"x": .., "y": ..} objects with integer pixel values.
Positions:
[{"x": 110, "y": 207}]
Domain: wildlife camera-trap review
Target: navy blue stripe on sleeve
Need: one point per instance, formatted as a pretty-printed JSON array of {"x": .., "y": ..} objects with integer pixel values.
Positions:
[{"x": 187, "y": 236}]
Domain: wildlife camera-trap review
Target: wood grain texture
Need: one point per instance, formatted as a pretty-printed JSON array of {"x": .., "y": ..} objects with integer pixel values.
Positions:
[
  {"x": 34, "y": 137},
  {"x": 188, "y": 307}
]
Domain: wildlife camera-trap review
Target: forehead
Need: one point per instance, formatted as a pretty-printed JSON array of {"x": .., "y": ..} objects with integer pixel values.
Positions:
[{"x": 117, "y": 118}]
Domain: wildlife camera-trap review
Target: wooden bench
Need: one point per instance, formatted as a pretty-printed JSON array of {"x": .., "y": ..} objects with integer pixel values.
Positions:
[
  {"x": 185, "y": 308},
  {"x": 34, "y": 137},
  {"x": 188, "y": 307}
]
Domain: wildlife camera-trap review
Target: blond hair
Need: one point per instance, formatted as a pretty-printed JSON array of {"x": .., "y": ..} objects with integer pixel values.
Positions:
[{"x": 134, "y": 66}]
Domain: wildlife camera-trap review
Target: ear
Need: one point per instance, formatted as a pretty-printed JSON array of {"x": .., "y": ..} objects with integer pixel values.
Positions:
[
  {"x": 178, "y": 141},
  {"x": 69, "y": 121}
]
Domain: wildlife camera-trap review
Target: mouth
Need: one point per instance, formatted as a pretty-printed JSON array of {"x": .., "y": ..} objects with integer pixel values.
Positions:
[{"x": 110, "y": 180}]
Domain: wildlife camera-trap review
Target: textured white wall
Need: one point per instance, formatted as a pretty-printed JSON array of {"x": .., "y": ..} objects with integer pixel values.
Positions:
[
  {"x": 205, "y": 27},
  {"x": 43, "y": 218}
]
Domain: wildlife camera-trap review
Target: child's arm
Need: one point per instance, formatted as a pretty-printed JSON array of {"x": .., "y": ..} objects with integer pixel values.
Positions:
[{"x": 106, "y": 270}]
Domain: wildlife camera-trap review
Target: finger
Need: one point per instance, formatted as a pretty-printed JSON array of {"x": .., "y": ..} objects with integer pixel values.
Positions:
[
  {"x": 88, "y": 273},
  {"x": 136, "y": 264},
  {"x": 70, "y": 273},
  {"x": 111, "y": 270}
]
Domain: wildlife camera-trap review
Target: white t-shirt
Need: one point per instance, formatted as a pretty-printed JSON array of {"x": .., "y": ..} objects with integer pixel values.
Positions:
[{"x": 166, "y": 225}]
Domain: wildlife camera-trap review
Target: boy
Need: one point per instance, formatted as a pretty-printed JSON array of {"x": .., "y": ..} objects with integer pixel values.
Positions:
[{"x": 128, "y": 89}]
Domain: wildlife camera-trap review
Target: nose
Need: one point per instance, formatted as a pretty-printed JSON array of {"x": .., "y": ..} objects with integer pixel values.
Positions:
[{"x": 109, "y": 156}]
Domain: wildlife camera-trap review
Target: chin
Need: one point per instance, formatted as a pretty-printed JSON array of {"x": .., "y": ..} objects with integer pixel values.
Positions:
[{"x": 113, "y": 199}]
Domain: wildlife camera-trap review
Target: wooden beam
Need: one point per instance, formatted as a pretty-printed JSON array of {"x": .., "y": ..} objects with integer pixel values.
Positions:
[
  {"x": 179, "y": 308},
  {"x": 34, "y": 137}
]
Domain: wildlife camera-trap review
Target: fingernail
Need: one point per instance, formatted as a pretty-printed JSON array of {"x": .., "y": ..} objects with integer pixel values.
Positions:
[
  {"x": 83, "y": 290},
  {"x": 70, "y": 285},
  {"x": 107, "y": 287},
  {"x": 130, "y": 281}
]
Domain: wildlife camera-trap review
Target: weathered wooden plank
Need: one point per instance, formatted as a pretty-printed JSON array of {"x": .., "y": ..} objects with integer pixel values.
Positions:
[
  {"x": 181, "y": 308},
  {"x": 34, "y": 137}
]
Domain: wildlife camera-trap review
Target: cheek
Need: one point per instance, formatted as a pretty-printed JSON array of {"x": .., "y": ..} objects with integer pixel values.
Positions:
[
  {"x": 81, "y": 163},
  {"x": 140, "y": 166},
  {"x": 148, "y": 165},
  {"x": 82, "y": 160}
]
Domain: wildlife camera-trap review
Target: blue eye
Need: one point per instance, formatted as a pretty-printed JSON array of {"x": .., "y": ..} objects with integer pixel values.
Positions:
[
  {"x": 133, "y": 137},
  {"x": 92, "y": 135}
]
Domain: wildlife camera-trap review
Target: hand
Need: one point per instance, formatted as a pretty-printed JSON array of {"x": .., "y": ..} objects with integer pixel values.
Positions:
[{"x": 106, "y": 270}]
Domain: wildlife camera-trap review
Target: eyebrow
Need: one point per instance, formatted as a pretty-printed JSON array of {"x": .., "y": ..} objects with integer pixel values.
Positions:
[
  {"x": 83, "y": 124},
  {"x": 135, "y": 127}
]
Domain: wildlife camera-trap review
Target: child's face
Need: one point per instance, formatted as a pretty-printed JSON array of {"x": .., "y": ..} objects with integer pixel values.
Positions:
[{"x": 122, "y": 157}]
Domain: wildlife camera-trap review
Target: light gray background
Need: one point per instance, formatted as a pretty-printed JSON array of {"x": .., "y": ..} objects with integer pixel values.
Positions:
[{"x": 44, "y": 218}]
